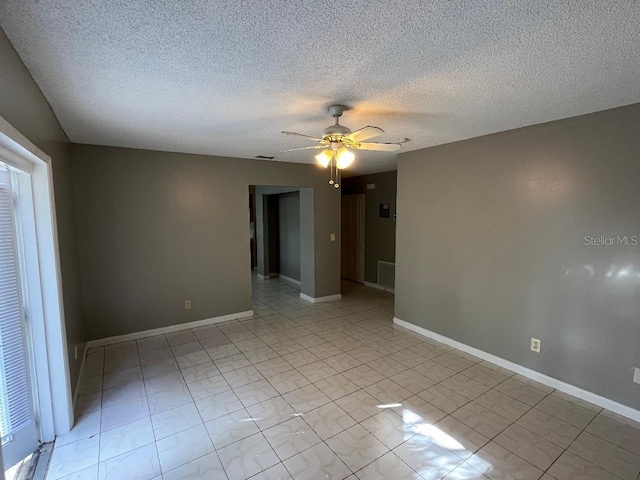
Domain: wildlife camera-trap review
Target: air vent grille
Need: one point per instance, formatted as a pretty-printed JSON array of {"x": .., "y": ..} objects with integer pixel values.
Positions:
[{"x": 386, "y": 274}]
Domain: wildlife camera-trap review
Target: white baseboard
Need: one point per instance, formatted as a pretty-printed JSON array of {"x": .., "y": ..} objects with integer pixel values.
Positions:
[
  {"x": 527, "y": 372},
  {"x": 328, "y": 298},
  {"x": 289, "y": 279},
  {"x": 267, "y": 276},
  {"x": 379, "y": 287},
  {"x": 170, "y": 329},
  {"x": 80, "y": 375}
]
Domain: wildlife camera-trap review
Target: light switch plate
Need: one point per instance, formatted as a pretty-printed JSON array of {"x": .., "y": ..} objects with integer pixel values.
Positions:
[
  {"x": 636, "y": 375},
  {"x": 333, "y": 237}
]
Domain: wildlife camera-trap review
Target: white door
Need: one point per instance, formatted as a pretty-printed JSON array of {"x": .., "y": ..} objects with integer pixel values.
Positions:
[
  {"x": 17, "y": 421},
  {"x": 353, "y": 237}
]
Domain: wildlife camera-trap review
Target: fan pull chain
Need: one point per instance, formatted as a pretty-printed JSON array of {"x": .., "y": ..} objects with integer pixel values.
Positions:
[
  {"x": 331, "y": 180},
  {"x": 334, "y": 172}
]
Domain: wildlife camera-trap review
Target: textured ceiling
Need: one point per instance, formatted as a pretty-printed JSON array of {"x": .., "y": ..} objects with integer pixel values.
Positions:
[{"x": 225, "y": 77}]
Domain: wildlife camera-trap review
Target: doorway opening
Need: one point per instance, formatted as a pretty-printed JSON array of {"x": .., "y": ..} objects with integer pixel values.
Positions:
[
  {"x": 275, "y": 228},
  {"x": 282, "y": 236},
  {"x": 369, "y": 229}
]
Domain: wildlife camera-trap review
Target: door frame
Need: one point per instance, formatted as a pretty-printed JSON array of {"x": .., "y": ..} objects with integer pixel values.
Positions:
[{"x": 44, "y": 300}]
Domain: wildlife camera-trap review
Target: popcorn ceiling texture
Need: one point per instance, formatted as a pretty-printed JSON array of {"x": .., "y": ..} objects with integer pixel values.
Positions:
[{"x": 225, "y": 77}]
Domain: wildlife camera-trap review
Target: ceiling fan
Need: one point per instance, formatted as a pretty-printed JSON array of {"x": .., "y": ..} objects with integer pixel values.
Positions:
[{"x": 337, "y": 142}]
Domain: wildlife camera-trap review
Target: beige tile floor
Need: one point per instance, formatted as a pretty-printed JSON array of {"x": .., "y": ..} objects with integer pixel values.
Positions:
[{"x": 329, "y": 391}]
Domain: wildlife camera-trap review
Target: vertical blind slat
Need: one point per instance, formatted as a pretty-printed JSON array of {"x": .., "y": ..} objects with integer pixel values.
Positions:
[{"x": 15, "y": 407}]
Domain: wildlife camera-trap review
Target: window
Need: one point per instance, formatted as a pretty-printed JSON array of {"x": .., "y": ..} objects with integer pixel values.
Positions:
[{"x": 17, "y": 420}]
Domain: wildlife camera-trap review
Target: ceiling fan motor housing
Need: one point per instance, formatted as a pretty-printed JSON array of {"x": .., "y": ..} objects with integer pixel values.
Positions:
[
  {"x": 337, "y": 141},
  {"x": 335, "y": 132}
]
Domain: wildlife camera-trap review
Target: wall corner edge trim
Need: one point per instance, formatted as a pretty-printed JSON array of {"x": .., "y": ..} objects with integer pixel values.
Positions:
[
  {"x": 328, "y": 298},
  {"x": 76, "y": 391}
]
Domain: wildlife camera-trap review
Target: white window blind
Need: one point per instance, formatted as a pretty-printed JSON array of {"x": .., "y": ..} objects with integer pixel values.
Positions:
[{"x": 15, "y": 404}]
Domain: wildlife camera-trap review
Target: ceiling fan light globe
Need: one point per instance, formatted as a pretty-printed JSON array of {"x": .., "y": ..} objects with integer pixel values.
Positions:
[
  {"x": 344, "y": 158},
  {"x": 323, "y": 158}
]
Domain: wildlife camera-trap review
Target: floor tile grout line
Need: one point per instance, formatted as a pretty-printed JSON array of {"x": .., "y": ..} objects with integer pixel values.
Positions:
[
  {"x": 353, "y": 472},
  {"x": 409, "y": 368},
  {"x": 566, "y": 450},
  {"x": 604, "y": 439}
]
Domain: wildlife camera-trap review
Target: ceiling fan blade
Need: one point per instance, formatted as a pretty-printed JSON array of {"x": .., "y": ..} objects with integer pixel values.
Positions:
[
  {"x": 365, "y": 133},
  {"x": 304, "y": 148},
  {"x": 303, "y": 135},
  {"x": 381, "y": 147}
]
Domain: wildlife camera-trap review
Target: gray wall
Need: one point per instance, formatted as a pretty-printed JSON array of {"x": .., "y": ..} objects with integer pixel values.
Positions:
[
  {"x": 157, "y": 228},
  {"x": 491, "y": 248},
  {"x": 289, "y": 234},
  {"x": 380, "y": 233},
  {"x": 25, "y": 108}
]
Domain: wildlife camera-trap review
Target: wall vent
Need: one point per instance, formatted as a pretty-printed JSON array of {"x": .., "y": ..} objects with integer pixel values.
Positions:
[{"x": 386, "y": 275}]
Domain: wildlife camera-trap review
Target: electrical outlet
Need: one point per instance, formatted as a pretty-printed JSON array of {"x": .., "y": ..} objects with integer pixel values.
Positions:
[
  {"x": 187, "y": 304},
  {"x": 535, "y": 345},
  {"x": 636, "y": 375},
  {"x": 333, "y": 237}
]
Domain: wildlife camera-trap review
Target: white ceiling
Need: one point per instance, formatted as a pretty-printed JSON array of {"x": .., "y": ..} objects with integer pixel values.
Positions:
[{"x": 225, "y": 77}]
